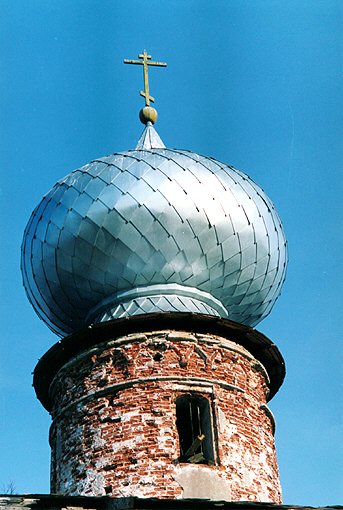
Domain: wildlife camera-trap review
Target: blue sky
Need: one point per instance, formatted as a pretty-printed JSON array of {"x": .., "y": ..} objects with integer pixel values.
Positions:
[{"x": 257, "y": 84}]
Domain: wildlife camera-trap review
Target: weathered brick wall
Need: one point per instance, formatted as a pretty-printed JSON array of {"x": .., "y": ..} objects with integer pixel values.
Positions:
[{"x": 114, "y": 420}]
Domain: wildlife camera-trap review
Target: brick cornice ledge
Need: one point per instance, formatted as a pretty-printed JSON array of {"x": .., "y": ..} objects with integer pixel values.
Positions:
[
  {"x": 186, "y": 381},
  {"x": 257, "y": 344}
]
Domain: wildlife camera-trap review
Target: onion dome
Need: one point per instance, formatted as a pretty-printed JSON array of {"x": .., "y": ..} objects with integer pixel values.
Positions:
[{"x": 153, "y": 230}]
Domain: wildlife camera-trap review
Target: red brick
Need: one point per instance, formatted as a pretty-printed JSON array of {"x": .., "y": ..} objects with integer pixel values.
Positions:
[{"x": 127, "y": 439}]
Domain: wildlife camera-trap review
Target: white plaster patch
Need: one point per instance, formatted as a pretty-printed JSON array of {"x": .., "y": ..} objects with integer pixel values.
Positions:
[
  {"x": 97, "y": 441},
  {"x": 264, "y": 497},
  {"x": 128, "y": 443},
  {"x": 247, "y": 457},
  {"x": 203, "y": 483},
  {"x": 93, "y": 484},
  {"x": 127, "y": 416},
  {"x": 100, "y": 463},
  {"x": 247, "y": 476},
  {"x": 222, "y": 421},
  {"x": 224, "y": 426}
]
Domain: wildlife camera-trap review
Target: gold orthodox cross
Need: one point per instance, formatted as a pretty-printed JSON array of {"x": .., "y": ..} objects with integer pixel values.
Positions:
[{"x": 145, "y": 62}]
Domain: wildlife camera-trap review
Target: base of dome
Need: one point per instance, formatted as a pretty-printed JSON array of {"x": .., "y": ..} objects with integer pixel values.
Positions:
[{"x": 156, "y": 298}]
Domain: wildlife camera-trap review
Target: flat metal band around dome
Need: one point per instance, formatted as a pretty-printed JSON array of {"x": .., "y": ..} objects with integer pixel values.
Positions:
[{"x": 153, "y": 217}]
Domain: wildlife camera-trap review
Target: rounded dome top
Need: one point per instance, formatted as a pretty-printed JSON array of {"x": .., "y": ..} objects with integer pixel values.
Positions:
[{"x": 153, "y": 229}]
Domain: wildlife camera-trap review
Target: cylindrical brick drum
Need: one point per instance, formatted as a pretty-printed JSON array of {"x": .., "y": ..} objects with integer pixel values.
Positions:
[{"x": 166, "y": 414}]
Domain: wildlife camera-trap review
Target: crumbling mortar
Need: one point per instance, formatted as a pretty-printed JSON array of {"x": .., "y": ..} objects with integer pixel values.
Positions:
[
  {"x": 105, "y": 346},
  {"x": 157, "y": 445}
]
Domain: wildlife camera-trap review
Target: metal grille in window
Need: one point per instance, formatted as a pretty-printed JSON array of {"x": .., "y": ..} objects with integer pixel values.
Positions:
[{"x": 194, "y": 425}]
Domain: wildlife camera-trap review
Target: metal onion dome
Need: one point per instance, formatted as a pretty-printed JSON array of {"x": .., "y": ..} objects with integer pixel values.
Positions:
[{"x": 153, "y": 230}]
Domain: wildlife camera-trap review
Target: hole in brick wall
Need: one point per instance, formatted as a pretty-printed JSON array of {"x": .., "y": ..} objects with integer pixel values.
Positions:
[
  {"x": 158, "y": 356},
  {"x": 108, "y": 489},
  {"x": 194, "y": 425},
  {"x": 110, "y": 419},
  {"x": 121, "y": 360},
  {"x": 110, "y": 467}
]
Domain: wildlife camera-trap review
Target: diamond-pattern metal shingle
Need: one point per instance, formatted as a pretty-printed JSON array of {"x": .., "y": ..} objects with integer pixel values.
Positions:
[{"x": 153, "y": 216}]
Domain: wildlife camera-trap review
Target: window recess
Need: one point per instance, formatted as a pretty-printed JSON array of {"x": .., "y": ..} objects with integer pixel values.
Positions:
[{"x": 194, "y": 425}]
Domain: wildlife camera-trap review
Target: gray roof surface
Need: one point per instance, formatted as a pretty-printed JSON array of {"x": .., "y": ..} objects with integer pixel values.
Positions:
[{"x": 56, "y": 502}]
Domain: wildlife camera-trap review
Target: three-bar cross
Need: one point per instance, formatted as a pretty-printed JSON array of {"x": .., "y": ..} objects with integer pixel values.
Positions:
[{"x": 145, "y": 62}]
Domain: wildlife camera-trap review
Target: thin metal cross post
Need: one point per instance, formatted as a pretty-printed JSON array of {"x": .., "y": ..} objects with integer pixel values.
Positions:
[{"x": 145, "y": 62}]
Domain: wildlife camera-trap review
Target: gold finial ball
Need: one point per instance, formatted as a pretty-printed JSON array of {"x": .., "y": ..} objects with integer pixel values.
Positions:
[{"x": 148, "y": 114}]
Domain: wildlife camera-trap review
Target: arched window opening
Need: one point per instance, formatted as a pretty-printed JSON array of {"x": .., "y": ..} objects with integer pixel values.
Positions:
[{"x": 194, "y": 425}]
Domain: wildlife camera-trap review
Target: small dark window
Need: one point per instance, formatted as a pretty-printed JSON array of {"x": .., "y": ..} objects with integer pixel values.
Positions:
[{"x": 194, "y": 425}]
